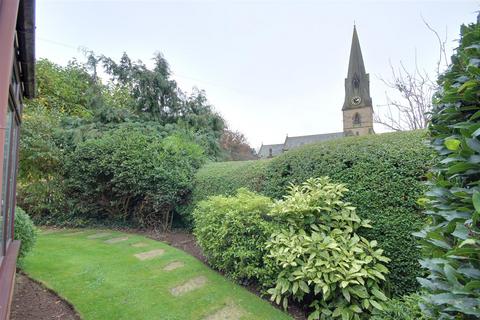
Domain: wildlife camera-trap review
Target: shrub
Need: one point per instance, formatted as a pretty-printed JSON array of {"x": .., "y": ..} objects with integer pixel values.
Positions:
[
  {"x": 223, "y": 178},
  {"x": 127, "y": 175},
  {"x": 405, "y": 308},
  {"x": 25, "y": 231},
  {"x": 39, "y": 176},
  {"x": 321, "y": 258},
  {"x": 232, "y": 232},
  {"x": 384, "y": 174},
  {"x": 451, "y": 243}
]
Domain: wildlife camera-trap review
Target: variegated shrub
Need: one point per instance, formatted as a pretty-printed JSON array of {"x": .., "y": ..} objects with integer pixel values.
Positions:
[{"x": 321, "y": 258}]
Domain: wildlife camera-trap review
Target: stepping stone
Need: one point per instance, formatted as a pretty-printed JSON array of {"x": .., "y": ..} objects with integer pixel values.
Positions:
[
  {"x": 99, "y": 235},
  {"x": 48, "y": 231},
  {"x": 173, "y": 265},
  {"x": 149, "y": 254},
  {"x": 229, "y": 312},
  {"x": 188, "y": 286},
  {"x": 140, "y": 245},
  {"x": 116, "y": 240},
  {"x": 73, "y": 233}
]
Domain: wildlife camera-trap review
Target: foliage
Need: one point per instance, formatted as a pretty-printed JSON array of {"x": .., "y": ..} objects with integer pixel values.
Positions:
[
  {"x": 40, "y": 163},
  {"x": 25, "y": 231},
  {"x": 74, "y": 106},
  {"x": 105, "y": 281},
  {"x": 451, "y": 243},
  {"x": 68, "y": 90},
  {"x": 223, "y": 178},
  {"x": 385, "y": 176},
  {"x": 236, "y": 146},
  {"x": 153, "y": 94},
  {"x": 232, "y": 232},
  {"x": 405, "y": 308},
  {"x": 321, "y": 258},
  {"x": 129, "y": 175}
]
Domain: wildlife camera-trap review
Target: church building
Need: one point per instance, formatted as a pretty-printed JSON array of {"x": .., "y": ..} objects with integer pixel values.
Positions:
[{"x": 357, "y": 108}]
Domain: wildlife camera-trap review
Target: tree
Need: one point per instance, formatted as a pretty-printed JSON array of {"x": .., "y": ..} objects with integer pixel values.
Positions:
[
  {"x": 413, "y": 90},
  {"x": 236, "y": 147}
]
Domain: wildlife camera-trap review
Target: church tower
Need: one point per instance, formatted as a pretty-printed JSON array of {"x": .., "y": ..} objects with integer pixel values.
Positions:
[{"x": 357, "y": 108}]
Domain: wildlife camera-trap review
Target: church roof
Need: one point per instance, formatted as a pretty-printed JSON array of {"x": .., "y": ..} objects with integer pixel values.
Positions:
[
  {"x": 264, "y": 151},
  {"x": 355, "y": 65},
  {"x": 294, "y": 142}
]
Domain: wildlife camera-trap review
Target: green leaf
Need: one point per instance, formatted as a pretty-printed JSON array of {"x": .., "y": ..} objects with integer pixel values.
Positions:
[
  {"x": 375, "y": 304},
  {"x": 345, "y": 314},
  {"x": 303, "y": 285},
  {"x": 377, "y": 293},
  {"x": 452, "y": 144},
  {"x": 346, "y": 294},
  {"x": 476, "y": 200},
  {"x": 467, "y": 242},
  {"x": 337, "y": 312},
  {"x": 450, "y": 274},
  {"x": 315, "y": 315},
  {"x": 295, "y": 287},
  {"x": 355, "y": 308}
]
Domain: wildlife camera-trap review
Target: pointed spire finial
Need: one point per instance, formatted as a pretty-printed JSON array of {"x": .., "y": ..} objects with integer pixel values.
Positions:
[{"x": 355, "y": 65}]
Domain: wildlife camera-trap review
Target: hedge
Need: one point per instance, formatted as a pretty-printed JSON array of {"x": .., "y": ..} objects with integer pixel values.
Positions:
[
  {"x": 383, "y": 172},
  {"x": 224, "y": 178}
]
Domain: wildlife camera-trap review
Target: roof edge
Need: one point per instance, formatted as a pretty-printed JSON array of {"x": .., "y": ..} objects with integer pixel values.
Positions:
[{"x": 26, "y": 45}]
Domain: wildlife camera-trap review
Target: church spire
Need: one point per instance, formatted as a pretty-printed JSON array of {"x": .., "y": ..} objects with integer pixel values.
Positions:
[
  {"x": 355, "y": 65},
  {"x": 357, "y": 107}
]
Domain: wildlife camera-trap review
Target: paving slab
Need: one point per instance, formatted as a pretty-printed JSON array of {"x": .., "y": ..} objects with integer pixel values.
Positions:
[
  {"x": 229, "y": 312},
  {"x": 149, "y": 254},
  {"x": 188, "y": 286},
  {"x": 173, "y": 265},
  {"x": 71, "y": 234},
  {"x": 116, "y": 240},
  {"x": 99, "y": 235},
  {"x": 140, "y": 244}
]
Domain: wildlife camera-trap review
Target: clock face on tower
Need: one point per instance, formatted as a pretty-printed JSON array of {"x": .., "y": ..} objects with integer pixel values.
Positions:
[{"x": 356, "y": 100}]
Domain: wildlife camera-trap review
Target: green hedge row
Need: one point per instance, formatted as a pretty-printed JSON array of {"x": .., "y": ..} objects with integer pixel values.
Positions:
[
  {"x": 383, "y": 172},
  {"x": 224, "y": 178}
]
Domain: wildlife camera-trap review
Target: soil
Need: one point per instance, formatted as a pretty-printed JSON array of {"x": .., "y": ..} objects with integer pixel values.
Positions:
[{"x": 32, "y": 301}]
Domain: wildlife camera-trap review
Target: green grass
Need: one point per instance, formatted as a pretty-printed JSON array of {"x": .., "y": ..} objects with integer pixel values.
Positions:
[{"x": 105, "y": 281}]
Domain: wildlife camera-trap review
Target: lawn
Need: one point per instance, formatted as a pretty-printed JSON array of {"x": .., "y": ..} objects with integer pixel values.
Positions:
[{"x": 107, "y": 281}]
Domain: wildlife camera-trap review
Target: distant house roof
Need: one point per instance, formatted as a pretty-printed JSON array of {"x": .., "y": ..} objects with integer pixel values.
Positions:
[
  {"x": 294, "y": 142},
  {"x": 270, "y": 150}
]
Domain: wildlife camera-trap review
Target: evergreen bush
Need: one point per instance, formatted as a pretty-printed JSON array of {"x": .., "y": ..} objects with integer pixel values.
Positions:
[
  {"x": 25, "y": 231},
  {"x": 232, "y": 232},
  {"x": 405, "y": 308},
  {"x": 385, "y": 174},
  {"x": 223, "y": 178},
  {"x": 451, "y": 242},
  {"x": 320, "y": 257},
  {"x": 127, "y": 175}
]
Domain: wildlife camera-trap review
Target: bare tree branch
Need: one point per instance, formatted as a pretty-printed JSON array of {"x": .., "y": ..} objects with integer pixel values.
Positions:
[{"x": 414, "y": 90}]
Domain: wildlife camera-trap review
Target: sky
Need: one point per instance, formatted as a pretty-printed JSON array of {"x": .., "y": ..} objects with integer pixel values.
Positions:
[{"x": 269, "y": 67}]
